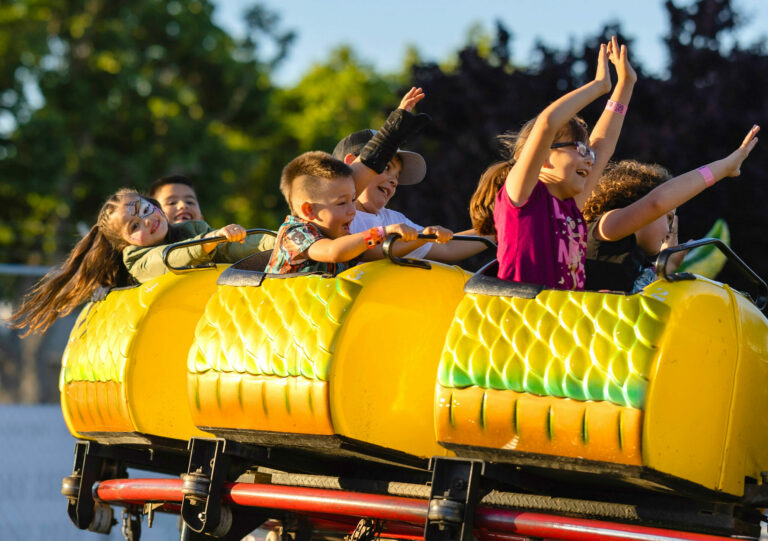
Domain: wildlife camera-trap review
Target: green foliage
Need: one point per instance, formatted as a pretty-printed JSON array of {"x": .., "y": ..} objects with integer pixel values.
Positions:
[
  {"x": 334, "y": 99},
  {"x": 101, "y": 94}
]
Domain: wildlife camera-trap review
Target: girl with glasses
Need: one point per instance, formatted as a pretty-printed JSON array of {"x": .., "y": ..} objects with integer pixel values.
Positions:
[
  {"x": 532, "y": 200},
  {"x": 126, "y": 246},
  {"x": 631, "y": 217}
]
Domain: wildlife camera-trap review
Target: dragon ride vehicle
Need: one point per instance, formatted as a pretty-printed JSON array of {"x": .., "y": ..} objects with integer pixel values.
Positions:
[{"x": 466, "y": 397}]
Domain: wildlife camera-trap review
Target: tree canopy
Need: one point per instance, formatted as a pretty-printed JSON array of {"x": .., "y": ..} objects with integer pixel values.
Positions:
[
  {"x": 698, "y": 113},
  {"x": 95, "y": 95}
]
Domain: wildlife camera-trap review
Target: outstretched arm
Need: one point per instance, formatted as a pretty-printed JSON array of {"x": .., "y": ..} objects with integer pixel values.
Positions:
[
  {"x": 350, "y": 246},
  {"x": 606, "y": 132},
  {"x": 456, "y": 250},
  {"x": 620, "y": 223},
  {"x": 403, "y": 247},
  {"x": 523, "y": 176}
]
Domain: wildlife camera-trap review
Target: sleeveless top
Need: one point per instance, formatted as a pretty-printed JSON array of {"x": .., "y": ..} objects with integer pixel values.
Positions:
[
  {"x": 543, "y": 241},
  {"x": 614, "y": 265}
]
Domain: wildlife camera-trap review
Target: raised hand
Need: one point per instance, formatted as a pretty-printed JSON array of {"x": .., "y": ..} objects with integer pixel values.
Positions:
[
  {"x": 620, "y": 60},
  {"x": 603, "y": 75},
  {"x": 735, "y": 159},
  {"x": 411, "y": 98}
]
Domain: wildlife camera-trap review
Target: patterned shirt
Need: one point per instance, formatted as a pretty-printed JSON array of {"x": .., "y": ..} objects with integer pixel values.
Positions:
[
  {"x": 543, "y": 241},
  {"x": 294, "y": 238}
]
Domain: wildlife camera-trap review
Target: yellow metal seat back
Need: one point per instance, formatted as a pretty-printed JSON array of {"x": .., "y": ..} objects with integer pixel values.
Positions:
[
  {"x": 123, "y": 371},
  {"x": 306, "y": 360},
  {"x": 649, "y": 382}
]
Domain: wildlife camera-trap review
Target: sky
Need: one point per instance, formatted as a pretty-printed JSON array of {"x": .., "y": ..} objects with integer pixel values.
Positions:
[{"x": 380, "y": 32}]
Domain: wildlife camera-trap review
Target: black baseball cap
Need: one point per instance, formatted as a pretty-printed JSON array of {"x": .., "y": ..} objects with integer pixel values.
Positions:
[{"x": 414, "y": 166}]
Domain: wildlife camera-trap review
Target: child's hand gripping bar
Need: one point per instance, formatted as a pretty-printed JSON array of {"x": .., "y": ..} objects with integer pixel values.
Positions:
[
  {"x": 208, "y": 265},
  {"x": 420, "y": 263}
]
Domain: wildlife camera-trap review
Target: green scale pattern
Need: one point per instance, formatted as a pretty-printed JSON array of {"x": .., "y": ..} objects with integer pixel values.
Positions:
[
  {"x": 285, "y": 327},
  {"x": 568, "y": 344}
]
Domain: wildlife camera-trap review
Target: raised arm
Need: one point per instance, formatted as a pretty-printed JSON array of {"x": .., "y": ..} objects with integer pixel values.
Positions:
[
  {"x": 608, "y": 127},
  {"x": 400, "y": 124},
  {"x": 620, "y": 223},
  {"x": 524, "y": 174}
]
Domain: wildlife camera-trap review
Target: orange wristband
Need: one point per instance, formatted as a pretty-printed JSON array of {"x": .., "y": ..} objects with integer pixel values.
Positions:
[{"x": 374, "y": 236}]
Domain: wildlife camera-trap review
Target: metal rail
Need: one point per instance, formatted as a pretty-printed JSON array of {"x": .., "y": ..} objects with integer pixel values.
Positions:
[{"x": 490, "y": 523}]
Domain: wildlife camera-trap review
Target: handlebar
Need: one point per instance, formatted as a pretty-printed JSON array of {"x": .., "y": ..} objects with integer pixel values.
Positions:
[
  {"x": 208, "y": 265},
  {"x": 421, "y": 264},
  {"x": 661, "y": 266}
]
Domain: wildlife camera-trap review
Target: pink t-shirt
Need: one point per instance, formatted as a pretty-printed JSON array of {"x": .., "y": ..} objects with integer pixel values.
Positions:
[{"x": 543, "y": 241}]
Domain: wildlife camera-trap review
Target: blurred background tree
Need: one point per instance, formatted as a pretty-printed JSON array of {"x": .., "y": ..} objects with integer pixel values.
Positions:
[
  {"x": 98, "y": 94},
  {"x": 697, "y": 113},
  {"x": 101, "y": 94}
]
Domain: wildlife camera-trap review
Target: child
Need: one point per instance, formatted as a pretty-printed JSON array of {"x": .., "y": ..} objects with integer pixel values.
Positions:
[
  {"x": 538, "y": 193},
  {"x": 316, "y": 235},
  {"x": 376, "y": 189},
  {"x": 631, "y": 217},
  {"x": 177, "y": 198},
  {"x": 129, "y": 233}
]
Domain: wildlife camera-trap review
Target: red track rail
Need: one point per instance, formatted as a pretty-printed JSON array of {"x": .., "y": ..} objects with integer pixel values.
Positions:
[{"x": 333, "y": 509}]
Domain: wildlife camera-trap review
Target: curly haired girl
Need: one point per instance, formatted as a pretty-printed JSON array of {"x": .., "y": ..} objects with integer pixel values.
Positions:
[{"x": 631, "y": 216}]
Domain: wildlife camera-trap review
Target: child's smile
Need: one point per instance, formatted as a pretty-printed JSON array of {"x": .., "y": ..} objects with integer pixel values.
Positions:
[
  {"x": 141, "y": 223},
  {"x": 380, "y": 190},
  {"x": 334, "y": 209},
  {"x": 179, "y": 202},
  {"x": 569, "y": 169}
]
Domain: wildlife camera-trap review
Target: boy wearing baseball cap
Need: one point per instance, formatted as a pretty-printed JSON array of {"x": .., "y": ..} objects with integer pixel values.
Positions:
[{"x": 376, "y": 181}]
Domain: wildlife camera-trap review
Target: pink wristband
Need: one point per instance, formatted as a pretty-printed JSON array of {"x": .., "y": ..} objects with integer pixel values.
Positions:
[
  {"x": 382, "y": 232},
  {"x": 706, "y": 172},
  {"x": 616, "y": 107}
]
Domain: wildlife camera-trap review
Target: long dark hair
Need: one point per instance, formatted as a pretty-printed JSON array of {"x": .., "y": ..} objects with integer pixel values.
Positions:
[
  {"x": 493, "y": 178},
  {"x": 95, "y": 261}
]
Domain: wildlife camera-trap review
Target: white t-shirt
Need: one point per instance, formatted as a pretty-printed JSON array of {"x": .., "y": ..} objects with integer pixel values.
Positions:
[{"x": 385, "y": 217}]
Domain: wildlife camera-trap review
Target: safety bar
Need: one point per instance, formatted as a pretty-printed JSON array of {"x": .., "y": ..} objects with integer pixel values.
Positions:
[
  {"x": 421, "y": 264},
  {"x": 661, "y": 266},
  {"x": 208, "y": 265}
]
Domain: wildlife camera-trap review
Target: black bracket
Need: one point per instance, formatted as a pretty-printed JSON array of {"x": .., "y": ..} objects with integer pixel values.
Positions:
[
  {"x": 96, "y": 462},
  {"x": 90, "y": 467},
  {"x": 213, "y": 462},
  {"x": 457, "y": 488}
]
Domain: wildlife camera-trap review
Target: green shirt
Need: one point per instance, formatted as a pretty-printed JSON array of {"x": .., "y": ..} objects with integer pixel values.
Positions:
[{"x": 146, "y": 262}]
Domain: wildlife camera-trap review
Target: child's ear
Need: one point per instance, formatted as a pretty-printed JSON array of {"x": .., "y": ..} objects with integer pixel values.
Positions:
[
  {"x": 307, "y": 210},
  {"x": 349, "y": 158}
]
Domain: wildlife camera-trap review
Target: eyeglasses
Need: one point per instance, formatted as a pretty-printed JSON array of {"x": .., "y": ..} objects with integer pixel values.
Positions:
[
  {"x": 143, "y": 208},
  {"x": 671, "y": 219},
  {"x": 583, "y": 150}
]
